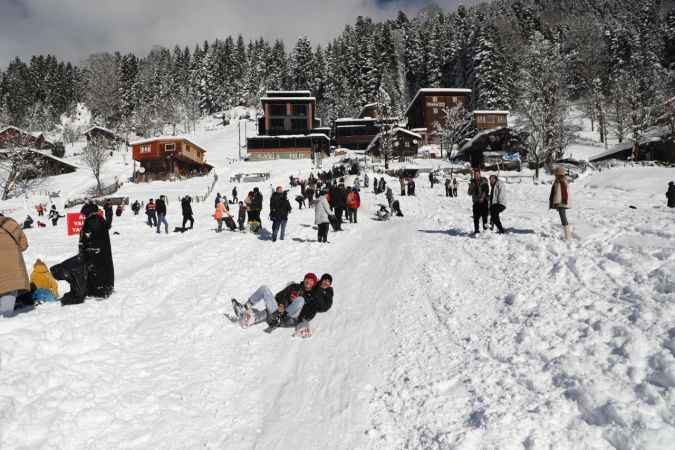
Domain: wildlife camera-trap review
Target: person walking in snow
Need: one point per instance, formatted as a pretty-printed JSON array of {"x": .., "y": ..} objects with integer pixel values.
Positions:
[
  {"x": 280, "y": 207},
  {"x": 497, "y": 201},
  {"x": 401, "y": 181},
  {"x": 339, "y": 202},
  {"x": 383, "y": 185},
  {"x": 151, "y": 212},
  {"x": 454, "y": 187},
  {"x": 670, "y": 195},
  {"x": 353, "y": 205},
  {"x": 479, "y": 190},
  {"x": 411, "y": 187},
  {"x": 186, "y": 209},
  {"x": 160, "y": 207},
  {"x": 241, "y": 216},
  {"x": 282, "y": 309},
  {"x": 235, "y": 199},
  {"x": 108, "y": 210},
  {"x": 322, "y": 216},
  {"x": 559, "y": 200},
  {"x": 365, "y": 180},
  {"x": 219, "y": 215},
  {"x": 448, "y": 188},
  {"x": 13, "y": 274},
  {"x": 254, "y": 209},
  {"x": 135, "y": 207},
  {"x": 119, "y": 210},
  {"x": 390, "y": 196},
  {"x": 432, "y": 179}
]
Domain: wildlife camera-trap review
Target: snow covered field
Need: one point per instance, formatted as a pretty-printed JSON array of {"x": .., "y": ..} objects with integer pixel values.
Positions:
[{"x": 436, "y": 339}]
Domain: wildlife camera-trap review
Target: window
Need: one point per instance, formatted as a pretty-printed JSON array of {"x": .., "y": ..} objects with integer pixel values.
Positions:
[
  {"x": 407, "y": 143},
  {"x": 300, "y": 110},
  {"x": 277, "y": 124},
  {"x": 169, "y": 147},
  {"x": 299, "y": 124},
  {"x": 146, "y": 148},
  {"x": 278, "y": 110}
]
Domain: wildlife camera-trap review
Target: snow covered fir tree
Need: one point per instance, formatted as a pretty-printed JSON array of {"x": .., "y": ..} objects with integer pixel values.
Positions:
[{"x": 354, "y": 224}]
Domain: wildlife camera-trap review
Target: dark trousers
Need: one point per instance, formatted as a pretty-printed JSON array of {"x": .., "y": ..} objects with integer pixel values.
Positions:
[
  {"x": 152, "y": 219},
  {"x": 563, "y": 216},
  {"x": 338, "y": 214},
  {"x": 352, "y": 215},
  {"x": 495, "y": 210},
  {"x": 323, "y": 232},
  {"x": 480, "y": 210},
  {"x": 187, "y": 219}
]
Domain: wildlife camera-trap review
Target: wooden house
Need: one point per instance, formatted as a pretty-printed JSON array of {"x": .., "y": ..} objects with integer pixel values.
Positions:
[
  {"x": 14, "y": 136},
  {"x": 355, "y": 134},
  {"x": 288, "y": 112},
  {"x": 41, "y": 163},
  {"x": 108, "y": 137},
  {"x": 165, "y": 156},
  {"x": 427, "y": 109},
  {"x": 404, "y": 143},
  {"x": 262, "y": 148},
  {"x": 485, "y": 120}
]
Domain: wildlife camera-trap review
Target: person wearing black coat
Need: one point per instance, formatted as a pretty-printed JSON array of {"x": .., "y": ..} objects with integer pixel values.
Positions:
[
  {"x": 235, "y": 199},
  {"x": 135, "y": 207},
  {"x": 280, "y": 207},
  {"x": 108, "y": 209},
  {"x": 339, "y": 200},
  {"x": 320, "y": 301},
  {"x": 670, "y": 194},
  {"x": 88, "y": 207},
  {"x": 186, "y": 206},
  {"x": 160, "y": 207},
  {"x": 94, "y": 249}
]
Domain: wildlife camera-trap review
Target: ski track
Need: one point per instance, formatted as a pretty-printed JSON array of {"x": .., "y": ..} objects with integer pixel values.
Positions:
[{"x": 436, "y": 340}]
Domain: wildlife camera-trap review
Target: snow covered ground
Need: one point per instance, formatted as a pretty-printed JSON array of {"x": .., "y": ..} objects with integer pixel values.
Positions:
[{"x": 436, "y": 339}]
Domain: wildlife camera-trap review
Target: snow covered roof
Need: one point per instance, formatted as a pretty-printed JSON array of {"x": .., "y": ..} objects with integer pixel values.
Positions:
[
  {"x": 97, "y": 127},
  {"x": 47, "y": 154},
  {"x": 394, "y": 131},
  {"x": 471, "y": 141},
  {"x": 488, "y": 111},
  {"x": 292, "y": 136},
  {"x": 304, "y": 92},
  {"x": 436, "y": 91},
  {"x": 287, "y": 99},
  {"x": 12, "y": 127},
  {"x": 167, "y": 138},
  {"x": 35, "y": 134},
  {"x": 350, "y": 119}
]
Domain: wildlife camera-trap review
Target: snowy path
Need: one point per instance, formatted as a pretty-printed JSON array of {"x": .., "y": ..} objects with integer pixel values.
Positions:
[{"x": 436, "y": 339}]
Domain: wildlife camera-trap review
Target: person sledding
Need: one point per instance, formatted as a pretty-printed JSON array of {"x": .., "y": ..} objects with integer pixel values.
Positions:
[
  {"x": 320, "y": 301},
  {"x": 282, "y": 309}
]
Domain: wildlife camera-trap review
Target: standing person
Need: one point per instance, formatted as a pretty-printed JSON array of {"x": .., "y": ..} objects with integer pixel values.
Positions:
[
  {"x": 13, "y": 275},
  {"x": 217, "y": 200},
  {"x": 497, "y": 201},
  {"x": 160, "y": 206},
  {"x": 411, "y": 187},
  {"x": 431, "y": 179},
  {"x": 151, "y": 212},
  {"x": 235, "y": 199},
  {"x": 383, "y": 185},
  {"x": 96, "y": 254},
  {"x": 88, "y": 207},
  {"x": 670, "y": 194},
  {"x": 322, "y": 216},
  {"x": 401, "y": 181},
  {"x": 279, "y": 209},
  {"x": 40, "y": 209},
  {"x": 454, "y": 187},
  {"x": 219, "y": 216},
  {"x": 339, "y": 202},
  {"x": 119, "y": 210},
  {"x": 448, "y": 189},
  {"x": 241, "y": 217},
  {"x": 186, "y": 208},
  {"x": 365, "y": 180},
  {"x": 560, "y": 200},
  {"x": 255, "y": 207},
  {"x": 108, "y": 209},
  {"x": 135, "y": 207},
  {"x": 479, "y": 190},
  {"x": 353, "y": 205},
  {"x": 54, "y": 215},
  {"x": 390, "y": 196}
]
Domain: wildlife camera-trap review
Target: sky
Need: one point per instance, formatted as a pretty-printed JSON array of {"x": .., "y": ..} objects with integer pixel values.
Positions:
[{"x": 73, "y": 29}]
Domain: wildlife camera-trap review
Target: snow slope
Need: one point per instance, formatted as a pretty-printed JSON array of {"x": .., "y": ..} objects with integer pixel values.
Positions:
[{"x": 436, "y": 339}]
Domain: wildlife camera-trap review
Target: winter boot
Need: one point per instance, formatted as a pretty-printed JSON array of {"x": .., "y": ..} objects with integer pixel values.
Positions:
[
  {"x": 568, "y": 232},
  {"x": 274, "y": 319}
]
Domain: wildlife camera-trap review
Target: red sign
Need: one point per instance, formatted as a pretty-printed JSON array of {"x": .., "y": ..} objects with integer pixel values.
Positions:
[{"x": 75, "y": 222}]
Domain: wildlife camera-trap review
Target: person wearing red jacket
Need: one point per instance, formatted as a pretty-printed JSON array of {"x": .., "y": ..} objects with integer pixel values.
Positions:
[{"x": 353, "y": 204}]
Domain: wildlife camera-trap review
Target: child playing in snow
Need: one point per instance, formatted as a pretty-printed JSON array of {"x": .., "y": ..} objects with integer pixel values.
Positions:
[{"x": 43, "y": 285}]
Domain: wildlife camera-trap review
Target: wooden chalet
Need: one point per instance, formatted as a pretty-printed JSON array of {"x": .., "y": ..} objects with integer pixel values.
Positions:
[
  {"x": 427, "y": 109},
  {"x": 108, "y": 137},
  {"x": 355, "y": 134},
  {"x": 485, "y": 120},
  {"x": 165, "y": 156},
  {"x": 14, "y": 136},
  {"x": 262, "y": 148},
  {"x": 41, "y": 163},
  {"x": 289, "y": 128},
  {"x": 404, "y": 143}
]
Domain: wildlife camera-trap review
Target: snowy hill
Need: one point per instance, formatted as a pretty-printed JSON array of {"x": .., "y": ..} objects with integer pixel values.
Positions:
[{"x": 436, "y": 339}]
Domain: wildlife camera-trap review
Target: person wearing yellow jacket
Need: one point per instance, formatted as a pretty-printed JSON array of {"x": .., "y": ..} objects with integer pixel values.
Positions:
[{"x": 44, "y": 286}]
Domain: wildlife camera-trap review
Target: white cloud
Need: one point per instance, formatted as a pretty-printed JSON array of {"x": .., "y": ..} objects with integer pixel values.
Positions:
[{"x": 72, "y": 29}]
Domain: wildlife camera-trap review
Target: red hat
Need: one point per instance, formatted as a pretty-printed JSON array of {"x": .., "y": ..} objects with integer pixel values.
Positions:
[{"x": 312, "y": 277}]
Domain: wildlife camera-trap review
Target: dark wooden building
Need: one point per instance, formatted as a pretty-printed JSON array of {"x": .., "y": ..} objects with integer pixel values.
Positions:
[
  {"x": 427, "y": 109},
  {"x": 165, "y": 156},
  {"x": 355, "y": 134},
  {"x": 108, "y": 137},
  {"x": 289, "y": 128},
  {"x": 485, "y": 120},
  {"x": 16, "y": 137},
  {"x": 404, "y": 143}
]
